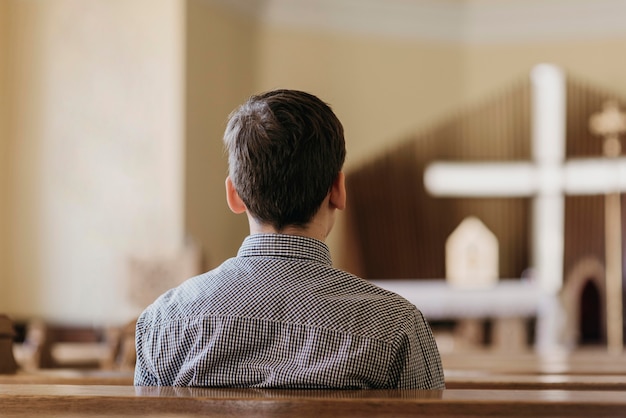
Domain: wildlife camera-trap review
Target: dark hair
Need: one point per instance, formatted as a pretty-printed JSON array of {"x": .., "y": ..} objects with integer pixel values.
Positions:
[{"x": 285, "y": 150}]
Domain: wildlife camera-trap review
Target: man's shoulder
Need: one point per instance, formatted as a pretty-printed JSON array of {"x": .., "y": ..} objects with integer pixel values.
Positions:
[
  {"x": 356, "y": 296},
  {"x": 368, "y": 288}
]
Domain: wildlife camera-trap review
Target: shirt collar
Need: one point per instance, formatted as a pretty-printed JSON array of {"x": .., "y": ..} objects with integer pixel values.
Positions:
[{"x": 285, "y": 246}]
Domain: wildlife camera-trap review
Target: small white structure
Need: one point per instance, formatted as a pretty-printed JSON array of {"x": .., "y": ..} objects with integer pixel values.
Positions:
[{"x": 472, "y": 255}]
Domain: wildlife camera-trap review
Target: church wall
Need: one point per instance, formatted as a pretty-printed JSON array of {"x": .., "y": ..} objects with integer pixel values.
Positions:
[
  {"x": 220, "y": 62},
  {"x": 597, "y": 60},
  {"x": 97, "y": 134},
  {"x": 4, "y": 149}
]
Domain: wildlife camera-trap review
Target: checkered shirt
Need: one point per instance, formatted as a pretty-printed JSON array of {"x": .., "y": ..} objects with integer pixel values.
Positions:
[{"x": 280, "y": 316}]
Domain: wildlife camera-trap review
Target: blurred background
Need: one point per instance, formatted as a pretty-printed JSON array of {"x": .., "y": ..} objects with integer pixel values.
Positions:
[{"x": 112, "y": 113}]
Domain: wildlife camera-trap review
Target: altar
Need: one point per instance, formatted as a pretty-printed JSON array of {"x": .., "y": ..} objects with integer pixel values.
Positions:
[{"x": 439, "y": 301}]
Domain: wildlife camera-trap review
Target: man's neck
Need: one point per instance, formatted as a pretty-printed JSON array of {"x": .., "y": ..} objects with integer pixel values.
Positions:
[
  {"x": 312, "y": 230},
  {"x": 318, "y": 227}
]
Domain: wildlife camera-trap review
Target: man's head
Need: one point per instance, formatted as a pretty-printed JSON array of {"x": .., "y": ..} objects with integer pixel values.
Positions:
[{"x": 285, "y": 150}]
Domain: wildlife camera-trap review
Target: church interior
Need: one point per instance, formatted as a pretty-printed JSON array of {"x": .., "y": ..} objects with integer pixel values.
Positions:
[{"x": 112, "y": 171}]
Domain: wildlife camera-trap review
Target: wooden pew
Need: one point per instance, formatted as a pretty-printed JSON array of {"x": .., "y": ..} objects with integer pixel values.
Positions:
[
  {"x": 454, "y": 380},
  {"x": 577, "y": 370},
  {"x": 42, "y": 350},
  {"x": 37, "y": 357},
  {"x": 485, "y": 380},
  {"x": 579, "y": 362},
  {"x": 69, "y": 377},
  {"x": 114, "y": 401}
]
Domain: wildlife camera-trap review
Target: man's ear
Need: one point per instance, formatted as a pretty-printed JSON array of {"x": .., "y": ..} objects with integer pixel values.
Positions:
[
  {"x": 338, "y": 192},
  {"x": 232, "y": 198}
]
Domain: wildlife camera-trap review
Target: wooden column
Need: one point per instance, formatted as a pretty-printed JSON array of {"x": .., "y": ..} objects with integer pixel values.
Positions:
[{"x": 609, "y": 124}]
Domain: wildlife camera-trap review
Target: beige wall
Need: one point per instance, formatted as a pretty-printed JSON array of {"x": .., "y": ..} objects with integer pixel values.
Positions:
[
  {"x": 220, "y": 62},
  {"x": 4, "y": 150},
  {"x": 97, "y": 151},
  {"x": 600, "y": 61}
]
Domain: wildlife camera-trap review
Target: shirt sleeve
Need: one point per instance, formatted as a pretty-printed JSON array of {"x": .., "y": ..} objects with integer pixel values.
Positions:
[
  {"x": 143, "y": 377},
  {"x": 417, "y": 363}
]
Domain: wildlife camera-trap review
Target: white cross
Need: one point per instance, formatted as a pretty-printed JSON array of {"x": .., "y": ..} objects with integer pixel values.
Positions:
[{"x": 547, "y": 178}]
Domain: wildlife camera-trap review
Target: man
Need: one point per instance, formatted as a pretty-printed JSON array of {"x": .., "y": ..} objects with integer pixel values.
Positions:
[{"x": 278, "y": 315}]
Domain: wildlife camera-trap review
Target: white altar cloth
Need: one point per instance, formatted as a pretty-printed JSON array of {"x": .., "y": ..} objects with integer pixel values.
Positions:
[{"x": 438, "y": 300}]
